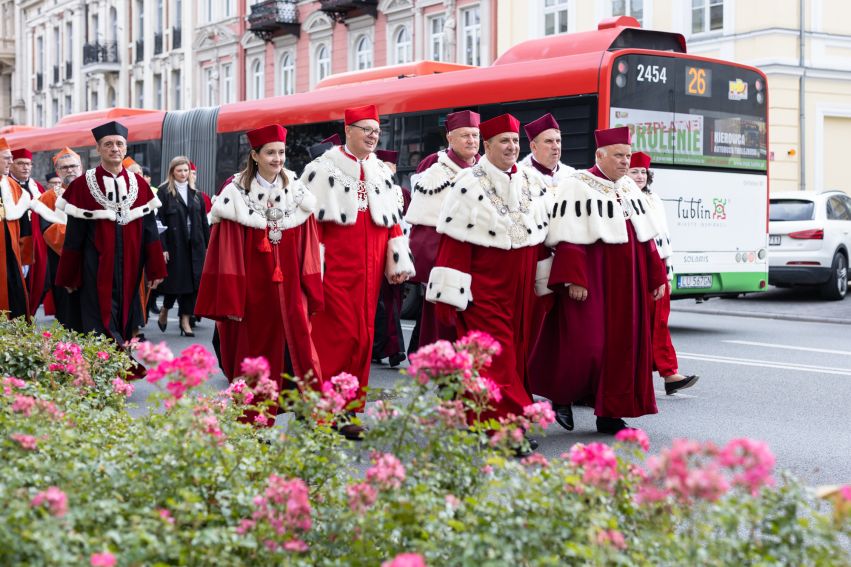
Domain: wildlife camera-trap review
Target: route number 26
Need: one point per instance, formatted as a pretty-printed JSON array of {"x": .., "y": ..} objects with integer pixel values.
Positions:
[
  {"x": 696, "y": 81},
  {"x": 652, "y": 74}
]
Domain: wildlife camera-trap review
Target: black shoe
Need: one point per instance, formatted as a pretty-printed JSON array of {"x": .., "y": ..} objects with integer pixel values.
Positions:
[
  {"x": 193, "y": 321},
  {"x": 186, "y": 333},
  {"x": 687, "y": 382},
  {"x": 154, "y": 308},
  {"x": 523, "y": 451},
  {"x": 162, "y": 326},
  {"x": 564, "y": 416},
  {"x": 395, "y": 359},
  {"x": 533, "y": 443},
  {"x": 352, "y": 432},
  {"x": 611, "y": 425}
]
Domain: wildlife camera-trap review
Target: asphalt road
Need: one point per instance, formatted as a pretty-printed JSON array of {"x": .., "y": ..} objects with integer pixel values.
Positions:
[{"x": 786, "y": 382}]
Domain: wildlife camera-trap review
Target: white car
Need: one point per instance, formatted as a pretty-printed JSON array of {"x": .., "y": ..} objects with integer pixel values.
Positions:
[{"x": 809, "y": 237}]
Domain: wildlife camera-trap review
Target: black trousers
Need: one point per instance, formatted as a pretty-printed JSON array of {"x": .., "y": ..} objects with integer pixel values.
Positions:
[{"x": 185, "y": 303}]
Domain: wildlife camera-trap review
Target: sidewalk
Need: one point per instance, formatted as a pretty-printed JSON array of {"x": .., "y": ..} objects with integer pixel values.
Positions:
[{"x": 789, "y": 304}]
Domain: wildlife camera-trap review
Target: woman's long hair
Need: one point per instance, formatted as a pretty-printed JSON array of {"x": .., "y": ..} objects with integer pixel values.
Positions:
[
  {"x": 244, "y": 177},
  {"x": 176, "y": 161}
]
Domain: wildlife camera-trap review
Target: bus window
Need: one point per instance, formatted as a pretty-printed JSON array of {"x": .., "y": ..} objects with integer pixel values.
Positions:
[{"x": 415, "y": 136}]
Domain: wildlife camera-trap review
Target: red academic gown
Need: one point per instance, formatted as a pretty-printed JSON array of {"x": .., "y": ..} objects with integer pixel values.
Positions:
[
  {"x": 270, "y": 288},
  {"x": 599, "y": 350},
  {"x": 424, "y": 244},
  {"x": 102, "y": 259},
  {"x": 502, "y": 288},
  {"x": 39, "y": 274},
  {"x": 355, "y": 259}
]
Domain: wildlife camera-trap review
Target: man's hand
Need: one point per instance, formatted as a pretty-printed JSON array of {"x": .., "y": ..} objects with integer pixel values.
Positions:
[
  {"x": 396, "y": 279},
  {"x": 234, "y": 318},
  {"x": 70, "y": 289},
  {"x": 577, "y": 292},
  {"x": 659, "y": 292},
  {"x": 155, "y": 283},
  {"x": 165, "y": 255}
]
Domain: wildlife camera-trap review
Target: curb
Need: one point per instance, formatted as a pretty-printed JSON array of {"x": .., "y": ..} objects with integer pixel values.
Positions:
[{"x": 763, "y": 315}]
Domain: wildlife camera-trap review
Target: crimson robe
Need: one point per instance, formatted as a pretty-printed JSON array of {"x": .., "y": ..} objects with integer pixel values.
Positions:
[
  {"x": 102, "y": 259},
  {"x": 599, "y": 350},
  {"x": 237, "y": 283}
]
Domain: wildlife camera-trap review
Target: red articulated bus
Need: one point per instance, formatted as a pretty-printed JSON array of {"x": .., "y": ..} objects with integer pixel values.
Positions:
[{"x": 703, "y": 121}]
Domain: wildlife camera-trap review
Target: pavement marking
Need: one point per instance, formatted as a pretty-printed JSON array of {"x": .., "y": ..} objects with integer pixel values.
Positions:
[
  {"x": 663, "y": 395},
  {"x": 765, "y": 363},
  {"x": 790, "y": 347}
]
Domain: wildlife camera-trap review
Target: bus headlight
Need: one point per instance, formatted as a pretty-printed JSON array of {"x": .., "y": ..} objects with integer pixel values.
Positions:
[
  {"x": 738, "y": 257},
  {"x": 762, "y": 253},
  {"x": 620, "y": 81},
  {"x": 760, "y": 98}
]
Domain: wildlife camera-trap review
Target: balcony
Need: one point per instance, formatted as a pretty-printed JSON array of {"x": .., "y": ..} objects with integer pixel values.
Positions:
[
  {"x": 69, "y": 69},
  {"x": 55, "y": 74},
  {"x": 39, "y": 81},
  {"x": 176, "y": 37},
  {"x": 103, "y": 56},
  {"x": 158, "y": 43},
  {"x": 274, "y": 18},
  {"x": 140, "y": 50},
  {"x": 342, "y": 10}
]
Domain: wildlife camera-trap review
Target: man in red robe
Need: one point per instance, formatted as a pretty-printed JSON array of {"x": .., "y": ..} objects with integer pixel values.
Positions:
[
  {"x": 262, "y": 274},
  {"x": 595, "y": 343},
  {"x": 111, "y": 236},
  {"x": 492, "y": 224},
  {"x": 359, "y": 216},
  {"x": 38, "y": 275},
  {"x": 15, "y": 239},
  {"x": 435, "y": 175}
]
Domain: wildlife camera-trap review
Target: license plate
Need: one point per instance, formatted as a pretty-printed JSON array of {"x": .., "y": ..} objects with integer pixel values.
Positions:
[
  {"x": 694, "y": 282},
  {"x": 774, "y": 240}
]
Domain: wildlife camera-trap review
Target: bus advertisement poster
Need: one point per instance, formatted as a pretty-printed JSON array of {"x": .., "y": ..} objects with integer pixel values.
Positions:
[{"x": 692, "y": 139}]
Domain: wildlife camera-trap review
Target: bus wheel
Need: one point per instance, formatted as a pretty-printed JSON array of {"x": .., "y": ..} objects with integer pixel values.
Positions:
[{"x": 837, "y": 285}]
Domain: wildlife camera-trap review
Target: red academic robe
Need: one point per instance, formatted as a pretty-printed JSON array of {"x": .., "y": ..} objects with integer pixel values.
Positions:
[
  {"x": 104, "y": 260},
  {"x": 273, "y": 316},
  {"x": 664, "y": 354},
  {"x": 39, "y": 274},
  {"x": 599, "y": 350},
  {"x": 15, "y": 247},
  {"x": 356, "y": 258}
]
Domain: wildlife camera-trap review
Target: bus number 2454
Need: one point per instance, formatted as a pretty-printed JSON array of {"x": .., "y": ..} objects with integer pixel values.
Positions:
[{"x": 652, "y": 73}]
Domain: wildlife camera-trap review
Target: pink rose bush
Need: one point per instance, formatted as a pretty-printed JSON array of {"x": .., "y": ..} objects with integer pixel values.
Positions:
[
  {"x": 53, "y": 499},
  {"x": 282, "y": 515},
  {"x": 104, "y": 559},
  {"x": 406, "y": 560}
]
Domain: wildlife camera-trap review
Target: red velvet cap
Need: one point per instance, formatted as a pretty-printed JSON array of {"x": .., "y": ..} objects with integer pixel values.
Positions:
[
  {"x": 22, "y": 153},
  {"x": 535, "y": 127},
  {"x": 368, "y": 112},
  {"x": 639, "y": 159},
  {"x": 387, "y": 155},
  {"x": 333, "y": 139},
  {"x": 498, "y": 125},
  {"x": 267, "y": 134},
  {"x": 192, "y": 167},
  {"x": 462, "y": 119},
  {"x": 611, "y": 136},
  {"x": 4, "y": 145}
]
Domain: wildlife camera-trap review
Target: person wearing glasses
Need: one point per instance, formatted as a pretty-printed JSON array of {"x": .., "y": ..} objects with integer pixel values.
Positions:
[
  {"x": 359, "y": 216},
  {"x": 67, "y": 168}
]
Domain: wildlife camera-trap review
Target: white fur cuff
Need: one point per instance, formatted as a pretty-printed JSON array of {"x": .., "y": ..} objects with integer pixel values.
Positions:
[
  {"x": 399, "y": 258},
  {"x": 449, "y": 286},
  {"x": 542, "y": 277}
]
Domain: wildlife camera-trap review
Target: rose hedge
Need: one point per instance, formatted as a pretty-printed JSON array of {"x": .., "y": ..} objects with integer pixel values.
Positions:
[{"x": 81, "y": 482}]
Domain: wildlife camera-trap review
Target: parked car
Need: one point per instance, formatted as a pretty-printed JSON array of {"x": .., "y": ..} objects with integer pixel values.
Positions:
[{"x": 809, "y": 241}]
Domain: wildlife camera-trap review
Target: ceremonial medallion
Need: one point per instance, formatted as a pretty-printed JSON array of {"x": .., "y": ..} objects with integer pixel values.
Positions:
[{"x": 275, "y": 235}]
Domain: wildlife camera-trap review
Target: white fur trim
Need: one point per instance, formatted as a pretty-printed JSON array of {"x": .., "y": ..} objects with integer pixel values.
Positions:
[
  {"x": 657, "y": 211},
  {"x": 109, "y": 185},
  {"x": 549, "y": 181},
  {"x": 469, "y": 215},
  {"x": 333, "y": 179},
  {"x": 430, "y": 189},
  {"x": 399, "y": 258},
  {"x": 54, "y": 217},
  {"x": 587, "y": 208},
  {"x": 13, "y": 210},
  {"x": 232, "y": 203},
  {"x": 450, "y": 286},
  {"x": 542, "y": 276}
]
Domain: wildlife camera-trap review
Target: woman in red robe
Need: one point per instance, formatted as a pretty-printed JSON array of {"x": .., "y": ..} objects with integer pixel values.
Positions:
[{"x": 262, "y": 275}]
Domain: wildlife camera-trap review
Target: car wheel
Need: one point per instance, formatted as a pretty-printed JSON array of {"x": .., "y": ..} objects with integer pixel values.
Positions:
[{"x": 836, "y": 286}]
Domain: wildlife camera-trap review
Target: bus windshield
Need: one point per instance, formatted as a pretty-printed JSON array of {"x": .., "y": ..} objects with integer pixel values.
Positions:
[{"x": 691, "y": 113}]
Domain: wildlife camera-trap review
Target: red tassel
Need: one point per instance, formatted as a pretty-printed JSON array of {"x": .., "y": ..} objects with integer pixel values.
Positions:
[
  {"x": 278, "y": 276},
  {"x": 264, "y": 245}
]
